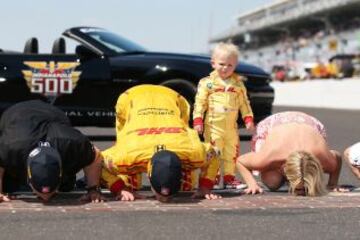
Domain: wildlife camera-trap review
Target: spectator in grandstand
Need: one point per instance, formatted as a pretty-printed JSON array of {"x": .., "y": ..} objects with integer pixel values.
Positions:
[
  {"x": 347, "y": 68},
  {"x": 319, "y": 70},
  {"x": 291, "y": 146},
  {"x": 356, "y": 63},
  {"x": 352, "y": 157},
  {"x": 332, "y": 70},
  {"x": 279, "y": 73},
  {"x": 221, "y": 95}
]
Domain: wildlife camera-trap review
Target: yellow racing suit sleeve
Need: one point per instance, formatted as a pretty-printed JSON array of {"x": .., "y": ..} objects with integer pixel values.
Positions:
[
  {"x": 201, "y": 98},
  {"x": 244, "y": 106},
  {"x": 116, "y": 183}
]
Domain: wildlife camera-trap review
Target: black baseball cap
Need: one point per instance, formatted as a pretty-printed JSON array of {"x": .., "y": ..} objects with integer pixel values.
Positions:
[
  {"x": 44, "y": 169},
  {"x": 165, "y": 175}
]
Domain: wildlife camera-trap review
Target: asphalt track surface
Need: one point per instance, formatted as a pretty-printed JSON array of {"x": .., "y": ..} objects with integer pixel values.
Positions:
[{"x": 236, "y": 216}]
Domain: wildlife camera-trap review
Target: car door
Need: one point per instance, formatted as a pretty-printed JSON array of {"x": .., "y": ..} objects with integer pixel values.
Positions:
[
  {"x": 90, "y": 102},
  {"x": 78, "y": 86}
]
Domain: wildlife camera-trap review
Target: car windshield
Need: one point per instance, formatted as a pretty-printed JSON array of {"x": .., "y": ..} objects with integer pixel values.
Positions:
[{"x": 114, "y": 42}]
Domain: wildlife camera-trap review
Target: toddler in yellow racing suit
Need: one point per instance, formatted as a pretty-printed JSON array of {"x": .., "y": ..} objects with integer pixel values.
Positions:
[
  {"x": 149, "y": 119},
  {"x": 221, "y": 95}
]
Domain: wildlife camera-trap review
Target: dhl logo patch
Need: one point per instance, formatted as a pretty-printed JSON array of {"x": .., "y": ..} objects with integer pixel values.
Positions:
[{"x": 158, "y": 130}]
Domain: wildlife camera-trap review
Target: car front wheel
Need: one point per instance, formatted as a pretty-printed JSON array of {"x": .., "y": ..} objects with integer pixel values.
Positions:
[{"x": 185, "y": 88}]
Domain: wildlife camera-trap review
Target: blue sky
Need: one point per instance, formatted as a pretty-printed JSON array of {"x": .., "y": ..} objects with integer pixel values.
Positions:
[{"x": 160, "y": 25}]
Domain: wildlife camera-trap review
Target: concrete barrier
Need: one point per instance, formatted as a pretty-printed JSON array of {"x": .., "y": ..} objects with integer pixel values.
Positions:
[{"x": 324, "y": 93}]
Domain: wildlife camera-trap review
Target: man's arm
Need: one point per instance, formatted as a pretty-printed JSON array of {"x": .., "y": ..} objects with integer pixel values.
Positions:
[
  {"x": 120, "y": 185},
  {"x": 93, "y": 171},
  {"x": 92, "y": 175},
  {"x": 125, "y": 187},
  {"x": 3, "y": 198}
]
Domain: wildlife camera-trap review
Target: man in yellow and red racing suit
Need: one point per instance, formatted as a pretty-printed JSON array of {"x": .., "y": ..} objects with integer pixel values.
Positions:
[
  {"x": 222, "y": 100},
  {"x": 150, "y": 118}
]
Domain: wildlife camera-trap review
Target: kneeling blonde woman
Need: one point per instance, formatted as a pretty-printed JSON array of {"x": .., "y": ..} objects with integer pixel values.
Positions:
[{"x": 291, "y": 146}]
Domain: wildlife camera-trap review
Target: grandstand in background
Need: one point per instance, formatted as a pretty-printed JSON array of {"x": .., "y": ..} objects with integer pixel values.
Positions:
[{"x": 293, "y": 32}]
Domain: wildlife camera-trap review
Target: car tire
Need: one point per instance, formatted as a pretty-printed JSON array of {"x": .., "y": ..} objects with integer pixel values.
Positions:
[{"x": 185, "y": 88}]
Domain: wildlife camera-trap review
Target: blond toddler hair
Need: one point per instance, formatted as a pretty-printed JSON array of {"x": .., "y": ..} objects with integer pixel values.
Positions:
[{"x": 228, "y": 49}]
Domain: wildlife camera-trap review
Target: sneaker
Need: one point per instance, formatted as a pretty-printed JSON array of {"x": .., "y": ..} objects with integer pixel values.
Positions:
[
  {"x": 235, "y": 184},
  {"x": 217, "y": 187}
]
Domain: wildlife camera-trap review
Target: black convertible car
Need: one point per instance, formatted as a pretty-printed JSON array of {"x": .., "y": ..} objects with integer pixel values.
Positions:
[{"x": 86, "y": 83}]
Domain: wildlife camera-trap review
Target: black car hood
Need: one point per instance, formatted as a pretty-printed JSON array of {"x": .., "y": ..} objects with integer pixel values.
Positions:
[{"x": 242, "y": 68}]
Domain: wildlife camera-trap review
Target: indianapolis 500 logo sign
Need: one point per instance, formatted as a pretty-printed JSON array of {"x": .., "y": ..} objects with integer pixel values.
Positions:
[{"x": 51, "y": 78}]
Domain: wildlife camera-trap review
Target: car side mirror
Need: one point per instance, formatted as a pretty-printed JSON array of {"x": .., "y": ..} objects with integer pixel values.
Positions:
[{"x": 84, "y": 53}]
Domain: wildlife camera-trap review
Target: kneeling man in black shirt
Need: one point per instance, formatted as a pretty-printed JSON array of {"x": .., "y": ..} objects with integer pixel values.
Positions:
[{"x": 39, "y": 146}]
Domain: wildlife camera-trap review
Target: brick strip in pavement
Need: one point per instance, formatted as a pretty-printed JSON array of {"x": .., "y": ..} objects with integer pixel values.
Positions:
[{"x": 68, "y": 202}]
